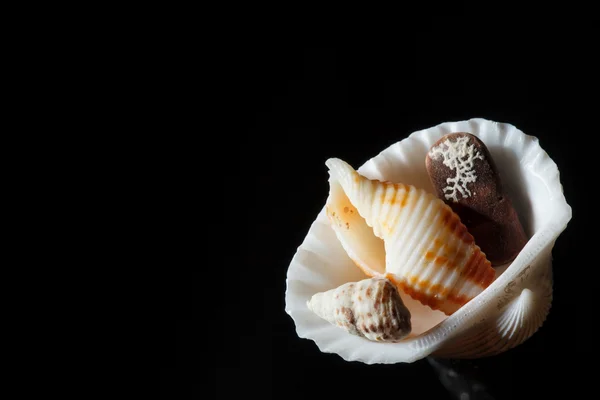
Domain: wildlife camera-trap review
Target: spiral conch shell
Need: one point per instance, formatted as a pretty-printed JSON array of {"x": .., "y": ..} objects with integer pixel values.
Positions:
[
  {"x": 371, "y": 308},
  {"x": 408, "y": 236}
]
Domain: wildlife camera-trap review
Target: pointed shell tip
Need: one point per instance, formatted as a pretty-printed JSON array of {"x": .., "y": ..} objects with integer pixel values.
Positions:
[{"x": 329, "y": 162}]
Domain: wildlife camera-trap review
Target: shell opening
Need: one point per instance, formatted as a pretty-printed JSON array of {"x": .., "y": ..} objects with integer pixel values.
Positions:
[{"x": 356, "y": 236}]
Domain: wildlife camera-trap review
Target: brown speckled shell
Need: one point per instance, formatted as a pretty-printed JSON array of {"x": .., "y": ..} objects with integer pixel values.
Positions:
[{"x": 371, "y": 308}]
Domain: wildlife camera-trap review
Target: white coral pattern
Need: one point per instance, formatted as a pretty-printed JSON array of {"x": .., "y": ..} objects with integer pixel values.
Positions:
[{"x": 459, "y": 157}]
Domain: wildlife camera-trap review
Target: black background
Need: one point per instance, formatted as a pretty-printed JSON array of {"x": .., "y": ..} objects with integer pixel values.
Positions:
[{"x": 293, "y": 107}]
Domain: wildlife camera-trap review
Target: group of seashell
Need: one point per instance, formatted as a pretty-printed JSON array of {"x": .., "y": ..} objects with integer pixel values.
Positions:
[{"x": 439, "y": 250}]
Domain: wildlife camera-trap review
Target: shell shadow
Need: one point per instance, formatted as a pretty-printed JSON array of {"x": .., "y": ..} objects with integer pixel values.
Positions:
[{"x": 462, "y": 383}]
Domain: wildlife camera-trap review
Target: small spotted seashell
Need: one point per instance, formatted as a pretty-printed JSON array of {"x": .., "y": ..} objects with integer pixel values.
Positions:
[{"x": 371, "y": 308}]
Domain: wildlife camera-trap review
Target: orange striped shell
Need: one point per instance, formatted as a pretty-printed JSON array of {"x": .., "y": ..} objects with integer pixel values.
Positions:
[{"x": 407, "y": 235}]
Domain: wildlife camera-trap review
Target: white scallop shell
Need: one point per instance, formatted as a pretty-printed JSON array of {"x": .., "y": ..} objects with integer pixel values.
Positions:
[{"x": 509, "y": 311}]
